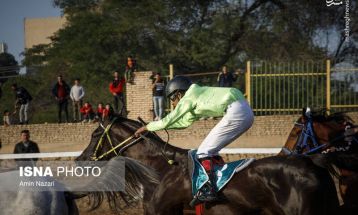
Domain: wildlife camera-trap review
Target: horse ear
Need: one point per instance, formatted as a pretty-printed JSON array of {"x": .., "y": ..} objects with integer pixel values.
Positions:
[{"x": 303, "y": 111}]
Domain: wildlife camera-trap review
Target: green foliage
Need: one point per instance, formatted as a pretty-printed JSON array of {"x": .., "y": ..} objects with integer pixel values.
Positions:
[
  {"x": 7, "y": 60},
  {"x": 8, "y": 66},
  {"x": 195, "y": 36}
]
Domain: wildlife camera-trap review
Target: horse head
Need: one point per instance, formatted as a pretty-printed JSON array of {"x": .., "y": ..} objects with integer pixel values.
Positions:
[
  {"x": 115, "y": 137},
  {"x": 110, "y": 139},
  {"x": 315, "y": 131}
]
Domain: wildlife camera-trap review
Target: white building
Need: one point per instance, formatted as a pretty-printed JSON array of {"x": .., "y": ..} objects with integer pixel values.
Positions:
[{"x": 3, "y": 48}]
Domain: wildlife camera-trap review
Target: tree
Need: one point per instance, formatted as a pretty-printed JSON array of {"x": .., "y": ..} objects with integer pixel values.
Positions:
[
  {"x": 196, "y": 36},
  {"x": 8, "y": 66}
]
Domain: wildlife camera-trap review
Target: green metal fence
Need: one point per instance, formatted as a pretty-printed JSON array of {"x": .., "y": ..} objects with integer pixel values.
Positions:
[
  {"x": 287, "y": 87},
  {"x": 344, "y": 89}
]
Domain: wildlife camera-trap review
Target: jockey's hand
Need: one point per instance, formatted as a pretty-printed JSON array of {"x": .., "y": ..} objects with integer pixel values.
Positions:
[{"x": 140, "y": 131}]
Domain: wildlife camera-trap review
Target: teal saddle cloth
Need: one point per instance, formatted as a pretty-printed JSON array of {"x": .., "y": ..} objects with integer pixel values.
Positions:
[{"x": 223, "y": 173}]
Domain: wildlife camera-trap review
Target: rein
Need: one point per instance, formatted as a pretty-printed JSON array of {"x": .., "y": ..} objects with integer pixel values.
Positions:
[{"x": 123, "y": 144}]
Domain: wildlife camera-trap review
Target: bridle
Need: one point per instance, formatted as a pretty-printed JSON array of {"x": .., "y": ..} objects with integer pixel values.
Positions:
[
  {"x": 104, "y": 135},
  {"x": 125, "y": 144},
  {"x": 307, "y": 133}
]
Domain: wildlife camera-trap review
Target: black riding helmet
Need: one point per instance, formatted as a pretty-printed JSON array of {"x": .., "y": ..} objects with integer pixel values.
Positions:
[{"x": 178, "y": 83}]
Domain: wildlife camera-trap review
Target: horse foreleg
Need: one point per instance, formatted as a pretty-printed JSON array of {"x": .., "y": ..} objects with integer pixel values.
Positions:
[{"x": 170, "y": 196}]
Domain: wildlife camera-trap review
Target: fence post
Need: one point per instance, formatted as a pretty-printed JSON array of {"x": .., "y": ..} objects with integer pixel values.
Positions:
[
  {"x": 171, "y": 72},
  {"x": 171, "y": 76},
  {"x": 328, "y": 86},
  {"x": 248, "y": 82}
]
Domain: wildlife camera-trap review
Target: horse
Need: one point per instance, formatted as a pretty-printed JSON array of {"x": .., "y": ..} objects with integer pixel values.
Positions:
[
  {"x": 51, "y": 201},
  {"x": 273, "y": 185},
  {"x": 37, "y": 203},
  {"x": 316, "y": 132}
]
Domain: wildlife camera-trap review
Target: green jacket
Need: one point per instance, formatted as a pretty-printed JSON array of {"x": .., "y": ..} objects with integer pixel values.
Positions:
[{"x": 196, "y": 103}]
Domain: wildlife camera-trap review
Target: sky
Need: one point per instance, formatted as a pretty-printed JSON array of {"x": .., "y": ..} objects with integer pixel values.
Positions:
[{"x": 12, "y": 14}]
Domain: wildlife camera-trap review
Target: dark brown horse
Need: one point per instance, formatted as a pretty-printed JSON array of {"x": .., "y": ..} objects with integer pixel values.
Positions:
[
  {"x": 316, "y": 132},
  {"x": 274, "y": 185}
]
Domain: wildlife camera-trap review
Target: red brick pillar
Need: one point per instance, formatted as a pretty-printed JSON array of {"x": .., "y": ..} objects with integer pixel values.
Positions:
[{"x": 139, "y": 97}]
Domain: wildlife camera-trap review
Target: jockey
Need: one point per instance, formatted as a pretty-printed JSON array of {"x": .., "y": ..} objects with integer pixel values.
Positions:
[{"x": 191, "y": 102}]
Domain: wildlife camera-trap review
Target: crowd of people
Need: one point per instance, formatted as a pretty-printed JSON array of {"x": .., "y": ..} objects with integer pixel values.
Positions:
[
  {"x": 64, "y": 94},
  {"x": 85, "y": 111}
]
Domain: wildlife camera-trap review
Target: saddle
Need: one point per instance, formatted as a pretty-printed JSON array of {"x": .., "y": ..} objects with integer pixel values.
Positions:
[{"x": 223, "y": 172}]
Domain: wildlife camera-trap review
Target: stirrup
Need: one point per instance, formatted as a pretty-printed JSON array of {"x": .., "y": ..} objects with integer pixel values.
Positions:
[
  {"x": 202, "y": 199},
  {"x": 204, "y": 196}
]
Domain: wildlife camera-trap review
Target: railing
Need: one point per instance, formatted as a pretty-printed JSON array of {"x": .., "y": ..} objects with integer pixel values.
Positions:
[
  {"x": 274, "y": 88},
  {"x": 9, "y": 71},
  {"x": 78, "y": 153},
  {"x": 344, "y": 88},
  {"x": 284, "y": 88},
  {"x": 287, "y": 87}
]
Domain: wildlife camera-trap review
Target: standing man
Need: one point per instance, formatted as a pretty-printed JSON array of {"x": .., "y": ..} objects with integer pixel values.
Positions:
[
  {"x": 77, "y": 93},
  {"x": 131, "y": 67},
  {"x": 23, "y": 99},
  {"x": 26, "y": 146},
  {"x": 158, "y": 96},
  {"x": 61, "y": 91},
  {"x": 116, "y": 88},
  {"x": 225, "y": 78}
]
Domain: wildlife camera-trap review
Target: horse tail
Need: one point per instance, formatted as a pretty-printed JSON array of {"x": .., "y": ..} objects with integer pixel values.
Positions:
[{"x": 137, "y": 176}]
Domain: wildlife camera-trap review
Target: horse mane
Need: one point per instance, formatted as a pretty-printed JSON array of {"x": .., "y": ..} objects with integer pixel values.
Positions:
[
  {"x": 321, "y": 115},
  {"x": 137, "y": 176}
]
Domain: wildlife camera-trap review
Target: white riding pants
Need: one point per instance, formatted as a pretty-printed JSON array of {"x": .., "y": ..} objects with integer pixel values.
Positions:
[{"x": 238, "y": 119}]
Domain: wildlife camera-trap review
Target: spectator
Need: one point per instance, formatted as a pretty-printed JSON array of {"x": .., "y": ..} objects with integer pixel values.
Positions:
[
  {"x": 225, "y": 78},
  {"x": 7, "y": 118},
  {"x": 87, "y": 112},
  {"x": 77, "y": 93},
  {"x": 130, "y": 69},
  {"x": 61, "y": 91},
  {"x": 158, "y": 96},
  {"x": 107, "y": 112},
  {"x": 99, "y": 112},
  {"x": 23, "y": 99},
  {"x": 116, "y": 88},
  {"x": 26, "y": 146}
]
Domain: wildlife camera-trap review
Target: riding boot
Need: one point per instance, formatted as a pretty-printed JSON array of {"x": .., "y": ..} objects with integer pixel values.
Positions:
[{"x": 208, "y": 192}]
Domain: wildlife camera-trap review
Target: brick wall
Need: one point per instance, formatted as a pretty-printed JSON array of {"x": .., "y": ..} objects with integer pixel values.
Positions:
[
  {"x": 139, "y": 96},
  {"x": 267, "y": 131},
  {"x": 50, "y": 137}
]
